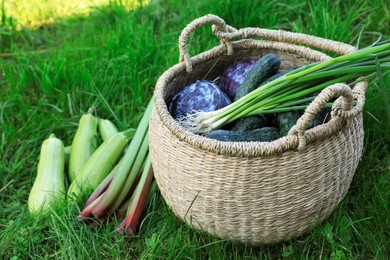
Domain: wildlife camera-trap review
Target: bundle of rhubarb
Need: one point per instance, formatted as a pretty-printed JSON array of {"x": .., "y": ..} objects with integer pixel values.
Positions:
[
  {"x": 112, "y": 168},
  {"x": 123, "y": 187}
]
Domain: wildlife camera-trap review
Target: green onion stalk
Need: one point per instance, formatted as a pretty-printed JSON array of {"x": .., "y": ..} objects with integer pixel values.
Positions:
[{"x": 290, "y": 91}]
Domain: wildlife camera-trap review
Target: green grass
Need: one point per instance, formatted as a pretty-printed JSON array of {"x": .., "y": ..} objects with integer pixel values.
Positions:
[{"x": 53, "y": 71}]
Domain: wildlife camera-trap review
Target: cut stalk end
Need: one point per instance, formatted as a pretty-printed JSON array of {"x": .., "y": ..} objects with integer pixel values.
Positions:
[
  {"x": 82, "y": 218},
  {"x": 126, "y": 230}
]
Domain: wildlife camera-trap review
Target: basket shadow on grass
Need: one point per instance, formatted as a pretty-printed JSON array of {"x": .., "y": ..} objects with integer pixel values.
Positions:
[{"x": 354, "y": 229}]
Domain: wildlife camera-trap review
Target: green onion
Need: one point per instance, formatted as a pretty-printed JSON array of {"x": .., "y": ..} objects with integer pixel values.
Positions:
[{"x": 287, "y": 92}]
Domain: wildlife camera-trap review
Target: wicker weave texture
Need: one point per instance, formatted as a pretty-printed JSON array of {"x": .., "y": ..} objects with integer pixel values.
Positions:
[
  {"x": 256, "y": 192},
  {"x": 259, "y": 200}
]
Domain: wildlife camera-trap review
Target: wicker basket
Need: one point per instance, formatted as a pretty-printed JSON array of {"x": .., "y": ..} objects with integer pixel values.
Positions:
[{"x": 256, "y": 192}]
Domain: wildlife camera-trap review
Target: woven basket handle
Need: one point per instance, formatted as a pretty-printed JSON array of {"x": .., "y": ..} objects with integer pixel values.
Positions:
[
  {"x": 184, "y": 35},
  {"x": 342, "y": 107},
  {"x": 227, "y": 33}
]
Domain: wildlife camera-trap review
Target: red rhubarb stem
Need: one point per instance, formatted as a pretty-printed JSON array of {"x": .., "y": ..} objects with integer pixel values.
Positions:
[
  {"x": 122, "y": 209},
  {"x": 102, "y": 186},
  {"x": 152, "y": 191},
  {"x": 129, "y": 167},
  {"x": 133, "y": 176},
  {"x": 86, "y": 213},
  {"x": 129, "y": 224}
]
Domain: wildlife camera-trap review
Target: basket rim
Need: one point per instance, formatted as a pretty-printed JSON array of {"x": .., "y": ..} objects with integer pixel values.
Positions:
[{"x": 241, "y": 149}]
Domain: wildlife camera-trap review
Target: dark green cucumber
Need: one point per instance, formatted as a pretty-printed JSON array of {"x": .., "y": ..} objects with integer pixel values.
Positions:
[
  {"x": 264, "y": 68},
  {"x": 278, "y": 75},
  {"x": 254, "y": 122},
  {"x": 249, "y": 123},
  {"x": 265, "y": 134},
  {"x": 272, "y": 120},
  {"x": 321, "y": 118},
  {"x": 287, "y": 120}
]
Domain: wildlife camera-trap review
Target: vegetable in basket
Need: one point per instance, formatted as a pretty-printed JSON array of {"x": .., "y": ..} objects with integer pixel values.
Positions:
[
  {"x": 287, "y": 120},
  {"x": 289, "y": 92},
  {"x": 234, "y": 75},
  {"x": 264, "y": 68},
  {"x": 262, "y": 71},
  {"x": 203, "y": 95}
]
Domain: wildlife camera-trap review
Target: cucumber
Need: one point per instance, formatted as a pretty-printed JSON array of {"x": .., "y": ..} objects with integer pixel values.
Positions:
[
  {"x": 272, "y": 120},
  {"x": 264, "y": 68},
  {"x": 278, "y": 75},
  {"x": 249, "y": 123},
  {"x": 321, "y": 118},
  {"x": 254, "y": 122},
  {"x": 265, "y": 134},
  {"x": 287, "y": 120}
]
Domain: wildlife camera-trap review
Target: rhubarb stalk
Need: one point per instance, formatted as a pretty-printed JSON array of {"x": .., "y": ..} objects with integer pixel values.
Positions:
[
  {"x": 102, "y": 186},
  {"x": 128, "y": 169},
  {"x": 86, "y": 213},
  {"x": 129, "y": 224}
]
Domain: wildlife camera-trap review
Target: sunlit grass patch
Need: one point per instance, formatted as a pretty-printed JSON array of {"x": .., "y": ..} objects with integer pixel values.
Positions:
[{"x": 32, "y": 14}]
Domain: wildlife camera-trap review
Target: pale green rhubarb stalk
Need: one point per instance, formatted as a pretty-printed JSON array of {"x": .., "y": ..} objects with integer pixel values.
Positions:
[
  {"x": 128, "y": 169},
  {"x": 293, "y": 87},
  {"x": 86, "y": 213},
  {"x": 132, "y": 177},
  {"x": 137, "y": 204},
  {"x": 102, "y": 186},
  {"x": 122, "y": 210}
]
